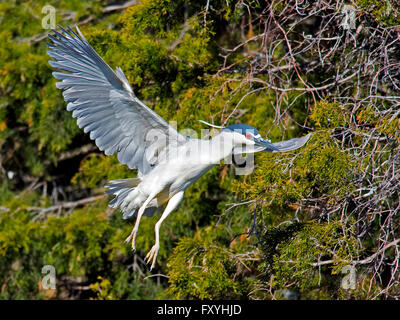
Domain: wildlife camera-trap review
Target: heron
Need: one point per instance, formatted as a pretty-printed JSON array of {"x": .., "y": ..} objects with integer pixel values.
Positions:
[{"x": 167, "y": 162}]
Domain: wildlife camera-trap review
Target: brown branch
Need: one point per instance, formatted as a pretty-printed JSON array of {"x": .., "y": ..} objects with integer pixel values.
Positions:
[
  {"x": 352, "y": 262},
  {"x": 39, "y": 37},
  {"x": 65, "y": 205},
  {"x": 117, "y": 7}
]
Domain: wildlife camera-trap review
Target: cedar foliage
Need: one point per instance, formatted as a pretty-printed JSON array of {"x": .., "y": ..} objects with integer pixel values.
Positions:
[{"x": 284, "y": 67}]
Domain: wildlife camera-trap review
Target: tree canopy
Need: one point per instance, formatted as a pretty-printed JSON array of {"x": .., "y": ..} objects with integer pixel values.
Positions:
[{"x": 301, "y": 224}]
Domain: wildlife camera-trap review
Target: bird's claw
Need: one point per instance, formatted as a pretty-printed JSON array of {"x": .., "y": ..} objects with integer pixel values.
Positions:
[
  {"x": 131, "y": 238},
  {"x": 152, "y": 256}
]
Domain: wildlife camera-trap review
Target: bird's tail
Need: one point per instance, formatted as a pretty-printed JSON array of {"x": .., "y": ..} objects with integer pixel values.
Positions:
[{"x": 126, "y": 197}]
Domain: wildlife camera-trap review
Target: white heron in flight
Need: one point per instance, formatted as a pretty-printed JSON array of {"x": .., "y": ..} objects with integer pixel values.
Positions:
[{"x": 168, "y": 162}]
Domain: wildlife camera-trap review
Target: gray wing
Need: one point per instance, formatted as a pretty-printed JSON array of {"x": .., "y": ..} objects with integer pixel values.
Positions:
[
  {"x": 282, "y": 146},
  {"x": 104, "y": 104},
  {"x": 288, "y": 145}
]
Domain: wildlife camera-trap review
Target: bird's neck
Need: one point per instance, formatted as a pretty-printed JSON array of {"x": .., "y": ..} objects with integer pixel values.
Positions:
[{"x": 221, "y": 146}]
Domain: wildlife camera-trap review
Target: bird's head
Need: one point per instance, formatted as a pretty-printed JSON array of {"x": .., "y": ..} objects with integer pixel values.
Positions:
[{"x": 244, "y": 135}]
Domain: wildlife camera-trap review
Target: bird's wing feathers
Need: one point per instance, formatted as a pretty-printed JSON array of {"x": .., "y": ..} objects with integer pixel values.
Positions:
[
  {"x": 104, "y": 103},
  {"x": 288, "y": 145},
  {"x": 282, "y": 146}
]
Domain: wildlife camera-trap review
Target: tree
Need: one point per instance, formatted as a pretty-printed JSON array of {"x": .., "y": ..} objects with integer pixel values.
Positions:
[{"x": 284, "y": 67}]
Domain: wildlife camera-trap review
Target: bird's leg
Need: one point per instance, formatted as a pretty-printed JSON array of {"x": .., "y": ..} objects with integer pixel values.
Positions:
[
  {"x": 132, "y": 236},
  {"x": 128, "y": 239},
  {"x": 172, "y": 204}
]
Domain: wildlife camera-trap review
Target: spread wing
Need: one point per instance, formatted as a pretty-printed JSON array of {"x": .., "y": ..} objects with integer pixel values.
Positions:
[{"x": 105, "y": 106}]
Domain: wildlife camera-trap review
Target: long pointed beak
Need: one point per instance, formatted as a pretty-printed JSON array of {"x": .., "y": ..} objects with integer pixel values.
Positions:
[{"x": 264, "y": 143}]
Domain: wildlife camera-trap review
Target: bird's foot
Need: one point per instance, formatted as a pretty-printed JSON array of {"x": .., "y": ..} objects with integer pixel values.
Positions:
[
  {"x": 152, "y": 256},
  {"x": 131, "y": 238}
]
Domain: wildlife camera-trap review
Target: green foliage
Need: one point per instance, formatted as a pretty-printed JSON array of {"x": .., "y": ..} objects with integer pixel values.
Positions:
[
  {"x": 319, "y": 168},
  {"x": 201, "y": 268},
  {"x": 83, "y": 245},
  {"x": 95, "y": 169},
  {"x": 32, "y": 111},
  {"x": 179, "y": 60},
  {"x": 314, "y": 242},
  {"x": 383, "y": 11},
  {"x": 328, "y": 115}
]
